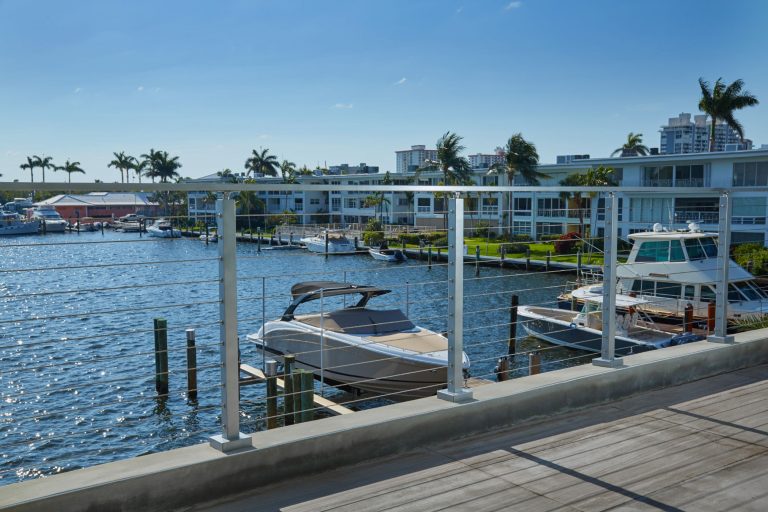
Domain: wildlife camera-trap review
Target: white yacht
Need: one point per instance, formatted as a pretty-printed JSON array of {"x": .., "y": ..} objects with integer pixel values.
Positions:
[
  {"x": 162, "y": 228},
  {"x": 378, "y": 351},
  {"x": 671, "y": 269},
  {"x": 49, "y": 218},
  {"x": 385, "y": 253},
  {"x": 332, "y": 242},
  {"x": 12, "y": 223}
]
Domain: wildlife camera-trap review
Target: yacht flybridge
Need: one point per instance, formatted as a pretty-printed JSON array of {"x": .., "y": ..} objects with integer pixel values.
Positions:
[
  {"x": 378, "y": 351},
  {"x": 671, "y": 269}
]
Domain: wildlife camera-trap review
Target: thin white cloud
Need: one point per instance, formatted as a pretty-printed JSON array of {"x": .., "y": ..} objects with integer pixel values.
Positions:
[
  {"x": 265, "y": 136},
  {"x": 513, "y": 5},
  {"x": 140, "y": 88},
  {"x": 78, "y": 89},
  {"x": 401, "y": 81},
  {"x": 343, "y": 106}
]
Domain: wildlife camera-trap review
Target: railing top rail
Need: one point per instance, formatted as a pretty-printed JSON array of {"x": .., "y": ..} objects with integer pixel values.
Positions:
[{"x": 259, "y": 187}]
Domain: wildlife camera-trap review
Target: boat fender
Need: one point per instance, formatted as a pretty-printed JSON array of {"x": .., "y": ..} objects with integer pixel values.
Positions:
[{"x": 572, "y": 326}]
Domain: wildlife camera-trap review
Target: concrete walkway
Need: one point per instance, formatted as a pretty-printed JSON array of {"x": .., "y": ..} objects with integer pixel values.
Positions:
[{"x": 700, "y": 446}]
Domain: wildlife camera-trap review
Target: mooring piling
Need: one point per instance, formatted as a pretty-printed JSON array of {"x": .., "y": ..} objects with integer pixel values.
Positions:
[
  {"x": 512, "y": 342},
  {"x": 161, "y": 356},
  {"x": 191, "y": 365},
  {"x": 270, "y": 367},
  {"x": 288, "y": 362},
  {"x": 688, "y": 318},
  {"x": 307, "y": 395},
  {"x": 477, "y": 260},
  {"x": 534, "y": 363}
]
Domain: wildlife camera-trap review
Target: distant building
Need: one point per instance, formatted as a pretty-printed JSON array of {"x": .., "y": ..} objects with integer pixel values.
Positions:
[
  {"x": 681, "y": 135},
  {"x": 484, "y": 161},
  {"x": 567, "y": 159},
  {"x": 102, "y": 205},
  {"x": 340, "y": 169},
  {"x": 408, "y": 160}
]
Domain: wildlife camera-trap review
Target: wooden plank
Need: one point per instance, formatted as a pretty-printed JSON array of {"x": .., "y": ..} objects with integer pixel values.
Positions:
[{"x": 317, "y": 399}]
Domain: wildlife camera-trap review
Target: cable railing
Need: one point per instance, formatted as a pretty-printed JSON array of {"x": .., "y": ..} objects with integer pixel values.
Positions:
[{"x": 90, "y": 375}]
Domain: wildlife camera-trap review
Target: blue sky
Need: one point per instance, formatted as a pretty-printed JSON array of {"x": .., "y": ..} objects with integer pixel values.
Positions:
[{"x": 326, "y": 82}]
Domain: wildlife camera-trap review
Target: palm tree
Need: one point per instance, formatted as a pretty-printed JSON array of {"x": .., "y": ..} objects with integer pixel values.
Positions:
[
  {"x": 138, "y": 167},
  {"x": 227, "y": 175},
  {"x": 69, "y": 168},
  {"x": 31, "y": 164},
  {"x": 44, "y": 163},
  {"x": 455, "y": 168},
  {"x": 721, "y": 101},
  {"x": 288, "y": 174},
  {"x": 520, "y": 156},
  {"x": 633, "y": 147},
  {"x": 123, "y": 163},
  {"x": 248, "y": 201},
  {"x": 165, "y": 166},
  {"x": 262, "y": 162},
  {"x": 150, "y": 161}
]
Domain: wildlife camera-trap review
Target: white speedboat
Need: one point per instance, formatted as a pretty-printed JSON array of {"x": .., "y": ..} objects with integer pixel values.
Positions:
[
  {"x": 14, "y": 224},
  {"x": 162, "y": 228},
  {"x": 384, "y": 253},
  {"x": 211, "y": 237},
  {"x": 131, "y": 223},
  {"x": 635, "y": 331},
  {"x": 378, "y": 351},
  {"x": 671, "y": 269},
  {"x": 332, "y": 242},
  {"x": 49, "y": 218}
]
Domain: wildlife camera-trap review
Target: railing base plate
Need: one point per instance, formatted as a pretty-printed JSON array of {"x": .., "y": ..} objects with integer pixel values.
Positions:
[
  {"x": 616, "y": 362},
  {"x": 464, "y": 395},
  {"x": 222, "y": 444},
  {"x": 726, "y": 340}
]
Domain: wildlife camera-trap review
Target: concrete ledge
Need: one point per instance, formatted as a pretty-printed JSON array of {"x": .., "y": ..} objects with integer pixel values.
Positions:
[{"x": 186, "y": 476}]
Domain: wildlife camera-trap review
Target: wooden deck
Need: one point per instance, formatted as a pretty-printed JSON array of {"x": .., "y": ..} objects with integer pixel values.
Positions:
[{"x": 701, "y": 447}]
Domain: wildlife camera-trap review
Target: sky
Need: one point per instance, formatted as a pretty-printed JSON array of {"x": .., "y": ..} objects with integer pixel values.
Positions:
[{"x": 351, "y": 81}]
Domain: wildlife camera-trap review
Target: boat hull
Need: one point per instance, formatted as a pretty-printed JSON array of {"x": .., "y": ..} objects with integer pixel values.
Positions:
[
  {"x": 393, "y": 255},
  {"x": 20, "y": 228},
  {"x": 318, "y": 245},
  {"x": 352, "y": 365}
]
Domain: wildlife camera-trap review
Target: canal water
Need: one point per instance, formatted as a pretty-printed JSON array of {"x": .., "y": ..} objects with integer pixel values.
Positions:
[{"x": 77, "y": 351}]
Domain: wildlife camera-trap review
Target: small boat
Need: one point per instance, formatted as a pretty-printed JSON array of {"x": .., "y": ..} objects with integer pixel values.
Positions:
[
  {"x": 377, "y": 351},
  {"x": 50, "y": 220},
  {"x": 211, "y": 237},
  {"x": 635, "y": 331},
  {"x": 12, "y": 223},
  {"x": 334, "y": 241},
  {"x": 672, "y": 269},
  {"x": 384, "y": 253},
  {"x": 131, "y": 223},
  {"x": 162, "y": 228}
]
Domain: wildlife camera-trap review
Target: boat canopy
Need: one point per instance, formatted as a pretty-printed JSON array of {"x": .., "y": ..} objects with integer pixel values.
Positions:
[
  {"x": 313, "y": 290},
  {"x": 622, "y": 301}
]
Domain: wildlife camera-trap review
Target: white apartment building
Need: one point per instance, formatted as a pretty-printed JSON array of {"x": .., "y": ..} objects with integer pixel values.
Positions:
[
  {"x": 681, "y": 135},
  {"x": 484, "y": 161},
  {"x": 408, "y": 160}
]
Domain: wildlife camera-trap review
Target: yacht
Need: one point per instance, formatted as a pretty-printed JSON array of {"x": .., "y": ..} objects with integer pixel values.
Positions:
[
  {"x": 370, "y": 350},
  {"x": 162, "y": 228},
  {"x": 49, "y": 218},
  {"x": 384, "y": 253},
  {"x": 332, "y": 242},
  {"x": 635, "y": 331},
  {"x": 671, "y": 269},
  {"x": 12, "y": 223}
]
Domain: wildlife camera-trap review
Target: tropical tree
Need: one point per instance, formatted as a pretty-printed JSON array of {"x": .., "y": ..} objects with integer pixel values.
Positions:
[
  {"x": 138, "y": 167},
  {"x": 593, "y": 177},
  {"x": 248, "y": 203},
  {"x": 721, "y": 101},
  {"x": 455, "y": 168},
  {"x": 227, "y": 175},
  {"x": 304, "y": 171},
  {"x": 69, "y": 168},
  {"x": 44, "y": 163},
  {"x": 150, "y": 164},
  {"x": 519, "y": 157},
  {"x": 262, "y": 162},
  {"x": 166, "y": 166},
  {"x": 633, "y": 147},
  {"x": 30, "y": 164},
  {"x": 288, "y": 174},
  {"x": 123, "y": 163}
]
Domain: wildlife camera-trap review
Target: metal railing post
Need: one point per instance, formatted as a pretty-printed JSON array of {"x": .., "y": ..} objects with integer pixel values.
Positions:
[
  {"x": 608, "y": 350},
  {"x": 723, "y": 261},
  {"x": 456, "y": 391},
  {"x": 231, "y": 438}
]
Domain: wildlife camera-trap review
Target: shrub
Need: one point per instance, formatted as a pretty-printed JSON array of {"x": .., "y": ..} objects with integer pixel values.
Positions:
[
  {"x": 373, "y": 234},
  {"x": 409, "y": 238},
  {"x": 566, "y": 244},
  {"x": 753, "y": 257},
  {"x": 440, "y": 241},
  {"x": 515, "y": 248},
  {"x": 549, "y": 238}
]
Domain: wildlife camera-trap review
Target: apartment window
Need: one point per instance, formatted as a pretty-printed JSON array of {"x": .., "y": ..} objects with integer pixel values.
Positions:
[
  {"x": 403, "y": 201},
  {"x": 423, "y": 205},
  {"x": 335, "y": 203},
  {"x": 522, "y": 205},
  {"x": 550, "y": 207},
  {"x": 649, "y": 209},
  {"x": 750, "y": 174},
  {"x": 689, "y": 176},
  {"x": 351, "y": 202},
  {"x": 298, "y": 204},
  {"x": 549, "y": 228},
  {"x": 521, "y": 228},
  {"x": 192, "y": 203},
  {"x": 314, "y": 200}
]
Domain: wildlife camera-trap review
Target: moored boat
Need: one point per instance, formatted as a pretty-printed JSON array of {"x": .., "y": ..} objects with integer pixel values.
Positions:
[
  {"x": 332, "y": 242},
  {"x": 378, "y": 351},
  {"x": 12, "y": 223},
  {"x": 162, "y": 228},
  {"x": 384, "y": 253},
  {"x": 49, "y": 218}
]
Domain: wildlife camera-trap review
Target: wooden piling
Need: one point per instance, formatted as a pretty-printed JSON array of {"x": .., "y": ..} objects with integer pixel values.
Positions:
[
  {"x": 102, "y": 228},
  {"x": 191, "y": 365},
  {"x": 297, "y": 392},
  {"x": 429, "y": 257},
  {"x": 534, "y": 363},
  {"x": 161, "y": 356},
  {"x": 502, "y": 255},
  {"x": 549, "y": 256},
  {"x": 307, "y": 396},
  {"x": 357, "y": 241},
  {"x": 207, "y": 234},
  {"x": 258, "y": 240},
  {"x": 288, "y": 362},
  {"x": 271, "y": 374},
  {"x": 477, "y": 260},
  {"x": 527, "y": 258},
  {"x": 688, "y": 318},
  {"x": 711, "y": 313},
  {"x": 502, "y": 370},
  {"x": 326, "y": 244},
  {"x": 512, "y": 342},
  {"x": 271, "y": 239},
  {"x": 439, "y": 253}
]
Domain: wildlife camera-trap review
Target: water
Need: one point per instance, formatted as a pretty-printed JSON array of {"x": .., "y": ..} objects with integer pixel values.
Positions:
[{"x": 77, "y": 350}]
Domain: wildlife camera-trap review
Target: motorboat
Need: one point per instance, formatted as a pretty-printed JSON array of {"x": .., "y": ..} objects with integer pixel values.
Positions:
[
  {"x": 332, "y": 242},
  {"x": 86, "y": 224},
  {"x": 369, "y": 350},
  {"x": 635, "y": 330},
  {"x": 131, "y": 223},
  {"x": 12, "y": 223},
  {"x": 671, "y": 269},
  {"x": 384, "y": 253},
  {"x": 49, "y": 218},
  {"x": 211, "y": 237},
  {"x": 162, "y": 228}
]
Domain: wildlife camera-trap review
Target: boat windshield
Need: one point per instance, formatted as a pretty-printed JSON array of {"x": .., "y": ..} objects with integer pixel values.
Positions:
[{"x": 701, "y": 248}]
